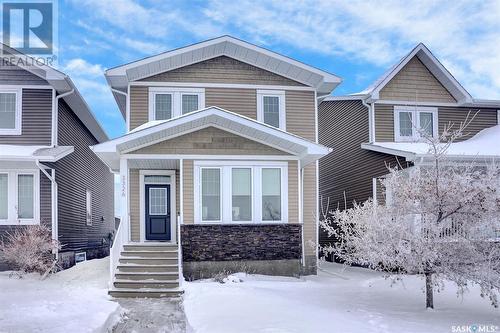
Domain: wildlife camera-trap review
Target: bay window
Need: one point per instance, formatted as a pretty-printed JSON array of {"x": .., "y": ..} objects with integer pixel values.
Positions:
[
  {"x": 10, "y": 111},
  {"x": 271, "y": 108},
  {"x": 230, "y": 192},
  {"x": 411, "y": 123},
  {"x": 19, "y": 197},
  {"x": 169, "y": 102}
]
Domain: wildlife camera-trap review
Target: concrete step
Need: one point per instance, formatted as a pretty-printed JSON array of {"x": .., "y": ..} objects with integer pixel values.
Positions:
[
  {"x": 144, "y": 268},
  {"x": 141, "y": 276},
  {"x": 148, "y": 261},
  {"x": 145, "y": 293},
  {"x": 146, "y": 284},
  {"x": 145, "y": 247},
  {"x": 150, "y": 254}
]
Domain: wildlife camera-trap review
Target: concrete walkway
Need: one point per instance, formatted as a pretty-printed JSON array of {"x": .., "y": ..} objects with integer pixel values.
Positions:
[{"x": 152, "y": 316}]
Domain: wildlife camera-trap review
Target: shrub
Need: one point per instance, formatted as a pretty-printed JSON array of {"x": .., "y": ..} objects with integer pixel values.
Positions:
[{"x": 29, "y": 249}]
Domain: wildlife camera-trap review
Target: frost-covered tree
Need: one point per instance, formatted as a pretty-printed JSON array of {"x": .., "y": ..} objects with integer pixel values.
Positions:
[{"x": 440, "y": 219}]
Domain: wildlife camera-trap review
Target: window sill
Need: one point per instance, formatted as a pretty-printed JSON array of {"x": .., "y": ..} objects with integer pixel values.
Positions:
[
  {"x": 10, "y": 132},
  {"x": 19, "y": 222}
]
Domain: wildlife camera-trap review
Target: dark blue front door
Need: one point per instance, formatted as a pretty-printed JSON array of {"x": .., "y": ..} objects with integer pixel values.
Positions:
[{"x": 158, "y": 212}]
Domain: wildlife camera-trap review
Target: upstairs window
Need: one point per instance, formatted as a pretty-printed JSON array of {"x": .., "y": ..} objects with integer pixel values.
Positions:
[
  {"x": 271, "y": 108},
  {"x": 167, "y": 103},
  {"x": 412, "y": 123},
  {"x": 10, "y": 111}
]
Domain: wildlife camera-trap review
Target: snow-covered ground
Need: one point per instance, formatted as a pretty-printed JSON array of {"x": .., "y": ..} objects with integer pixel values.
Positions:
[
  {"x": 74, "y": 300},
  {"x": 337, "y": 300}
]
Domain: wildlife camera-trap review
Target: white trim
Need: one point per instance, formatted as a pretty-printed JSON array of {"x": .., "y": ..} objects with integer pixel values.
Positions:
[
  {"x": 218, "y": 85},
  {"x": 415, "y": 103},
  {"x": 374, "y": 147},
  {"x": 498, "y": 117},
  {"x": 13, "y": 197},
  {"x": 142, "y": 203},
  {"x": 125, "y": 194},
  {"x": 415, "y": 112},
  {"x": 343, "y": 98},
  {"x": 18, "y": 121},
  {"x": 181, "y": 190},
  {"x": 226, "y": 193},
  {"x": 176, "y": 95},
  {"x": 127, "y": 108},
  {"x": 211, "y": 157},
  {"x": 55, "y": 110},
  {"x": 282, "y": 106}
]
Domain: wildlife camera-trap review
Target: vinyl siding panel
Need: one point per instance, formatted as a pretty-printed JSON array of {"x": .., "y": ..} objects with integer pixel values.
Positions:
[
  {"x": 36, "y": 119},
  {"x": 415, "y": 83},
  {"x": 15, "y": 75},
  {"x": 134, "y": 205},
  {"x": 346, "y": 174},
  {"x": 138, "y": 106},
  {"x": 209, "y": 141},
  {"x": 188, "y": 191},
  {"x": 483, "y": 118},
  {"x": 76, "y": 173},
  {"x": 310, "y": 196},
  {"x": 300, "y": 113},
  {"x": 293, "y": 192},
  {"x": 222, "y": 70},
  {"x": 241, "y": 101}
]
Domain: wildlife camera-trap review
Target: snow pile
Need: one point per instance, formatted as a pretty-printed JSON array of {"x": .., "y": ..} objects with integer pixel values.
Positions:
[
  {"x": 351, "y": 300},
  {"x": 74, "y": 300}
]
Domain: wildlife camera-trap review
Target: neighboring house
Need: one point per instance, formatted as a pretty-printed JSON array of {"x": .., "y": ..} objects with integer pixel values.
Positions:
[
  {"x": 48, "y": 174},
  {"x": 377, "y": 128},
  {"x": 220, "y": 156}
]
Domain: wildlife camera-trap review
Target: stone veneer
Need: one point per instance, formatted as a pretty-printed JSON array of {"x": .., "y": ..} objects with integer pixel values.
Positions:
[{"x": 239, "y": 242}]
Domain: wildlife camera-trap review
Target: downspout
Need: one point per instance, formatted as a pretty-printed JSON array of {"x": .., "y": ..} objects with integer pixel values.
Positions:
[
  {"x": 53, "y": 192},
  {"x": 55, "y": 112},
  {"x": 127, "y": 102}
]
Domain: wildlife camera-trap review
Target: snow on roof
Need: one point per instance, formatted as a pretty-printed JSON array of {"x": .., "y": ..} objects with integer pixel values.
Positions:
[
  {"x": 42, "y": 153},
  {"x": 483, "y": 144}
]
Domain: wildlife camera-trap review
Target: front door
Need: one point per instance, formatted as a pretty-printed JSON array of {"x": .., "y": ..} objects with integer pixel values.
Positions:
[{"x": 157, "y": 212}]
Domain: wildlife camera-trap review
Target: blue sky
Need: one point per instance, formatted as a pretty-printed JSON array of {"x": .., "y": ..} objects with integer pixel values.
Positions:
[{"x": 356, "y": 40}]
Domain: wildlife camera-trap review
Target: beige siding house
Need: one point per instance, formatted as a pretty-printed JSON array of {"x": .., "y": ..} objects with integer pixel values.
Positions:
[
  {"x": 377, "y": 128},
  {"x": 218, "y": 166}
]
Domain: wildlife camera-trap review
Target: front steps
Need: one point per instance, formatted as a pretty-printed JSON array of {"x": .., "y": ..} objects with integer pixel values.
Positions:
[{"x": 147, "y": 270}]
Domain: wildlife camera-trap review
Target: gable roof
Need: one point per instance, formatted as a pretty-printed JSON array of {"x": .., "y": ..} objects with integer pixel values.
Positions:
[
  {"x": 154, "y": 132},
  {"x": 62, "y": 83},
  {"x": 433, "y": 65},
  {"x": 119, "y": 77}
]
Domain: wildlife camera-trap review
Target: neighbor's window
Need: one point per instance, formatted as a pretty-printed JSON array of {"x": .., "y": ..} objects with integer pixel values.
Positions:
[
  {"x": 189, "y": 103},
  {"x": 271, "y": 194},
  {"x": 4, "y": 196},
  {"x": 163, "y": 106},
  {"x": 241, "y": 183},
  {"x": 412, "y": 123},
  {"x": 210, "y": 194},
  {"x": 171, "y": 102},
  {"x": 271, "y": 108},
  {"x": 25, "y": 195},
  {"x": 88, "y": 200},
  {"x": 10, "y": 112}
]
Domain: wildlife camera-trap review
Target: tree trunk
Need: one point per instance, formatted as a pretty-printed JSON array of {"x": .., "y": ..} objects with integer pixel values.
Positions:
[{"x": 429, "y": 296}]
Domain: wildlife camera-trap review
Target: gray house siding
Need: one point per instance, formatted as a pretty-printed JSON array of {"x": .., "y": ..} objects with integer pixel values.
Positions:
[
  {"x": 76, "y": 173},
  {"x": 36, "y": 119},
  {"x": 14, "y": 75},
  {"x": 346, "y": 174}
]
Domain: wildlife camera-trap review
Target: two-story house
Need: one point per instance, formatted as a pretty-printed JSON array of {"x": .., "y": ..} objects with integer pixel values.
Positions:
[
  {"x": 380, "y": 127},
  {"x": 48, "y": 174},
  {"x": 218, "y": 166}
]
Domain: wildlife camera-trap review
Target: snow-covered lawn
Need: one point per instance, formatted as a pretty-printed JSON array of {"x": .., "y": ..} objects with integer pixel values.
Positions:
[
  {"x": 74, "y": 300},
  {"x": 337, "y": 300}
]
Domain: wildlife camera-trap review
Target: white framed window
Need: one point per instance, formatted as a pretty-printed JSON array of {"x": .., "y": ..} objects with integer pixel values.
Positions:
[
  {"x": 10, "y": 111},
  {"x": 271, "y": 108},
  {"x": 237, "y": 192},
  {"x": 19, "y": 197},
  {"x": 170, "y": 102},
  {"x": 88, "y": 205},
  {"x": 411, "y": 121}
]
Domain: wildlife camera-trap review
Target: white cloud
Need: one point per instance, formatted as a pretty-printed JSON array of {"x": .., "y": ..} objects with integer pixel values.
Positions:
[{"x": 81, "y": 67}]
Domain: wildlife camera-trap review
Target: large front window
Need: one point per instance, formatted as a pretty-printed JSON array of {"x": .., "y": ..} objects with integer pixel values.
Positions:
[
  {"x": 167, "y": 103},
  {"x": 412, "y": 123},
  {"x": 10, "y": 112},
  {"x": 19, "y": 197},
  {"x": 240, "y": 193}
]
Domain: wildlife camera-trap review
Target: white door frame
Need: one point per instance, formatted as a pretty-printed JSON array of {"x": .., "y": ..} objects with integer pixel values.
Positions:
[{"x": 142, "y": 200}]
